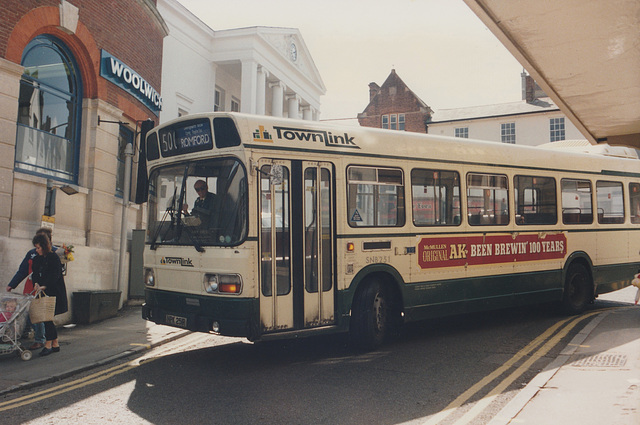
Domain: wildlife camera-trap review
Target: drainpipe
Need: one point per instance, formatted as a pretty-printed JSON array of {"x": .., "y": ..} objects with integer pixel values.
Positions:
[{"x": 128, "y": 155}]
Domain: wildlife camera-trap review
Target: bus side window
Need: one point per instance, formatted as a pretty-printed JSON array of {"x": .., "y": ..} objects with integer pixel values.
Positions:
[
  {"x": 536, "y": 201},
  {"x": 487, "y": 199},
  {"x": 576, "y": 202},
  {"x": 610, "y": 202},
  {"x": 634, "y": 197},
  {"x": 375, "y": 197},
  {"x": 435, "y": 197}
]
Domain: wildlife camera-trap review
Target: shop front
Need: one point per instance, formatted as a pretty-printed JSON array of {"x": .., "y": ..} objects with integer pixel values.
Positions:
[{"x": 76, "y": 83}]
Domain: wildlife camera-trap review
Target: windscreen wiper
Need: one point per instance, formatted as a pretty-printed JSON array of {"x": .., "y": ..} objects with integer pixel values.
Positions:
[{"x": 169, "y": 211}]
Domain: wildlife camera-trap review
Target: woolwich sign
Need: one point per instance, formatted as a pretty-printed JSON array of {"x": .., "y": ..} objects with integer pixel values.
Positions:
[{"x": 116, "y": 71}]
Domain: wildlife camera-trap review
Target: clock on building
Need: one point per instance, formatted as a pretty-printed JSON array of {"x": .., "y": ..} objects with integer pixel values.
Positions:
[{"x": 293, "y": 52}]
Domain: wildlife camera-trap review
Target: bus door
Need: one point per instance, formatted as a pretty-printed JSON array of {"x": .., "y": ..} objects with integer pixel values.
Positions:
[
  {"x": 317, "y": 213},
  {"x": 296, "y": 230}
]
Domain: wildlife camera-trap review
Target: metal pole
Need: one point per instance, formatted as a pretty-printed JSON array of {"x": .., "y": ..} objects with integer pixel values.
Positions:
[
  {"x": 128, "y": 155},
  {"x": 50, "y": 199}
]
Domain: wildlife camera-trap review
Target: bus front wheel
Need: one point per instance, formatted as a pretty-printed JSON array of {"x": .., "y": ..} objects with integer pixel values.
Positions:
[
  {"x": 577, "y": 289},
  {"x": 370, "y": 316}
]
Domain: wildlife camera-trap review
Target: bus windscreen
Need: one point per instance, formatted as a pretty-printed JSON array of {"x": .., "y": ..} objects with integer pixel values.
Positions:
[{"x": 199, "y": 203}]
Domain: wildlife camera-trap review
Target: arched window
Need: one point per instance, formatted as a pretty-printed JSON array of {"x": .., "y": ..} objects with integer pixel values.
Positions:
[{"x": 47, "y": 141}]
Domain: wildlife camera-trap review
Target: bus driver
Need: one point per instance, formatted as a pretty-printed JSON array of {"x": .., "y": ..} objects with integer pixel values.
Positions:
[{"x": 203, "y": 206}]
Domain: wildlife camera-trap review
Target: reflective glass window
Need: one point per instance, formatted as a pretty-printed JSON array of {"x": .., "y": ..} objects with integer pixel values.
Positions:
[{"x": 48, "y": 111}]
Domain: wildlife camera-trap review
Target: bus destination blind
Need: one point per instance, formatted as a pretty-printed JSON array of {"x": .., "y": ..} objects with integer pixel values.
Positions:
[{"x": 192, "y": 136}]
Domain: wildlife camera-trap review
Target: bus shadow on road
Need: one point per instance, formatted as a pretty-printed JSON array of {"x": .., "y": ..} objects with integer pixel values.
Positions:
[{"x": 324, "y": 380}]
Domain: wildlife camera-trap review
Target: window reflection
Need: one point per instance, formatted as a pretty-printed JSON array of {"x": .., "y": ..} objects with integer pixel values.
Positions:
[
  {"x": 176, "y": 217},
  {"x": 48, "y": 111}
]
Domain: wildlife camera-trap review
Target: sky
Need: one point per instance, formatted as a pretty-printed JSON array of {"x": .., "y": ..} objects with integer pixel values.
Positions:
[{"x": 439, "y": 48}]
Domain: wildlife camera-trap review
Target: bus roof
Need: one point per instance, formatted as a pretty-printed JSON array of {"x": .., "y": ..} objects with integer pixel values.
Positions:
[{"x": 319, "y": 139}]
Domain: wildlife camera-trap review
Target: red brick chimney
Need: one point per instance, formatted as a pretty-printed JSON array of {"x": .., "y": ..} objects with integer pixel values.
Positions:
[
  {"x": 530, "y": 89},
  {"x": 374, "y": 89}
]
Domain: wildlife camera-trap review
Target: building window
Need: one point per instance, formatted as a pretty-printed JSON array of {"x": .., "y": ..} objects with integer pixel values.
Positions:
[
  {"x": 47, "y": 141},
  {"x": 219, "y": 100},
  {"x": 556, "y": 129},
  {"x": 393, "y": 121},
  {"x": 125, "y": 136},
  {"x": 235, "y": 105},
  {"x": 462, "y": 132},
  {"x": 508, "y": 133}
]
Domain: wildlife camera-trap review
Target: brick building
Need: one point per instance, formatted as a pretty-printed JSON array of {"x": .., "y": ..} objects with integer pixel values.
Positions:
[
  {"x": 532, "y": 121},
  {"x": 77, "y": 78},
  {"x": 394, "y": 106}
]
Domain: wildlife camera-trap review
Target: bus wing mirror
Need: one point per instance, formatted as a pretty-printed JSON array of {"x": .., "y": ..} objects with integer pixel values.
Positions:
[
  {"x": 142, "y": 182},
  {"x": 275, "y": 176}
]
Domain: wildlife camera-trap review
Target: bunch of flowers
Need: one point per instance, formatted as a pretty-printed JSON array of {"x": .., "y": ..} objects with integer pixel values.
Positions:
[{"x": 68, "y": 252}]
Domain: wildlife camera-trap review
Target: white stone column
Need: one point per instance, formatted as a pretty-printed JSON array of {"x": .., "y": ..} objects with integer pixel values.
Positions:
[
  {"x": 293, "y": 103},
  {"x": 261, "y": 91},
  {"x": 212, "y": 85},
  {"x": 248, "y": 86},
  {"x": 277, "y": 98},
  {"x": 307, "y": 113}
]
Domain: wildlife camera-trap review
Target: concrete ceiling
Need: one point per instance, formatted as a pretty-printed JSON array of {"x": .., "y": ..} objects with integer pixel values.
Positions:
[{"x": 585, "y": 54}]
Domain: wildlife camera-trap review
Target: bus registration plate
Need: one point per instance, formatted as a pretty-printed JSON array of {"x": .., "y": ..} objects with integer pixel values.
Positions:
[{"x": 176, "y": 321}]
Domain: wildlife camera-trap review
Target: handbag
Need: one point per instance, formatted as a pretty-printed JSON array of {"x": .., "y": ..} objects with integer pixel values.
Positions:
[{"x": 42, "y": 308}]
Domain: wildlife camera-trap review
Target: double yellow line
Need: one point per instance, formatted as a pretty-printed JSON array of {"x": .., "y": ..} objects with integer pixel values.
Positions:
[
  {"x": 552, "y": 336},
  {"x": 83, "y": 382},
  {"x": 70, "y": 386}
]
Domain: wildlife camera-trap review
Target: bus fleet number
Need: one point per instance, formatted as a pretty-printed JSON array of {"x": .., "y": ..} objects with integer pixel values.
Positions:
[{"x": 378, "y": 259}]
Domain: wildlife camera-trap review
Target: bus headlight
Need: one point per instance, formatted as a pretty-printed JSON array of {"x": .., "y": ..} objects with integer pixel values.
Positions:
[
  {"x": 149, "y": 277},
  {"x": 216, "y": 283}
]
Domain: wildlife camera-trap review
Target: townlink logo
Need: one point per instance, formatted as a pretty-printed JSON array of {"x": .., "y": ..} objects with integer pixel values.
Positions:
[
  {"x": 326, "y": 137},
  {"x": 184, "y": 262}
]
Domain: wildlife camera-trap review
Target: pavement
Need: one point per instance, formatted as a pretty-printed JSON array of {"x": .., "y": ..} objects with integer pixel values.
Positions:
[
  {"x": 83, "y": 347},
  {"x": 594, "y": 380}
]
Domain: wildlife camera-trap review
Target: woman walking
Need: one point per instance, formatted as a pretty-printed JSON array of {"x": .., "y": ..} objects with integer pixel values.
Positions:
[{"x": 47, "y": 275}]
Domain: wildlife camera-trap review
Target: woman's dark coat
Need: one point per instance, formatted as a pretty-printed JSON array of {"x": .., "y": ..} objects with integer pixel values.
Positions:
[{"x": 47, "y": 271}]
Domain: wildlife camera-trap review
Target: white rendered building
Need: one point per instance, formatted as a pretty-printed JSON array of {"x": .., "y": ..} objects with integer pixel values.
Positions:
[
  {"x": 257, "y": 70},
  {"x": 534, "y": 120}
]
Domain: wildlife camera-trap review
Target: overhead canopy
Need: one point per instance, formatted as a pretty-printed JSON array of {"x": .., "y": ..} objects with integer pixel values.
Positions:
[{"x": 584, "y": 54}]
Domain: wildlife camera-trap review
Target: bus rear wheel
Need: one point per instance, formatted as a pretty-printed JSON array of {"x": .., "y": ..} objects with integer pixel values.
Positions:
[
  {"x": 577, "y": 290},
  {"x": 371, "y": 313}
]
